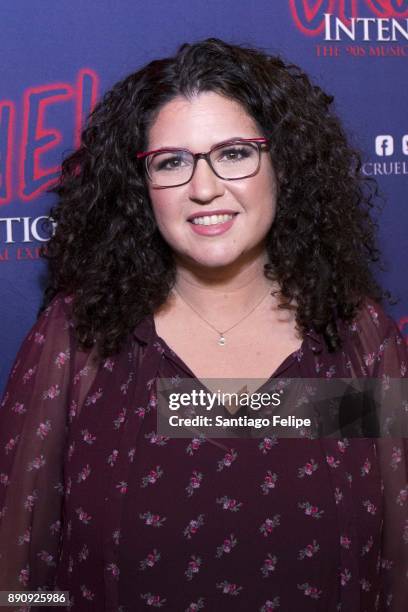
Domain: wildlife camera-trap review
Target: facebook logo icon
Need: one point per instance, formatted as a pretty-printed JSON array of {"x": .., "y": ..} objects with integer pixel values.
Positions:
[
  {"x": 384, "y": 145},
  {"x": 405, "y": 144}
]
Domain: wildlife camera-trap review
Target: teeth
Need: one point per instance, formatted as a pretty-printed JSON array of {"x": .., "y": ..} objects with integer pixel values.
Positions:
[{"x": 212, "y": 219}]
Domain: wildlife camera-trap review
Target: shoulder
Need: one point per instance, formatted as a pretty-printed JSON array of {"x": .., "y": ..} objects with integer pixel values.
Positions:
[
  {"x": 372, "y": 324},
  {"x": 372, "y": 320},
  {"x": 60, "y": 305},
  {"x": 375, "y": 338},
  {"x": 55, "y": 320}
]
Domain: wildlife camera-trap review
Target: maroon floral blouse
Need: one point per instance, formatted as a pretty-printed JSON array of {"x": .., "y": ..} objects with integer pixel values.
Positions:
[{"x": 94, "y": 502}]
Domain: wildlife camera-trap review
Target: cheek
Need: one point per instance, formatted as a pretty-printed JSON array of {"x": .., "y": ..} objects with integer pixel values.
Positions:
[
  {"x": 160, "y": 208},
  {"x": 260, "y": 196},
  {"x": 268, "y": 194},
  {"x": 167, "y": 215}
]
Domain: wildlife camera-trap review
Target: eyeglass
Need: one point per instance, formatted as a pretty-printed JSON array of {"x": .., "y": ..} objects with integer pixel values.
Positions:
[{"x": 230, "y": 161}]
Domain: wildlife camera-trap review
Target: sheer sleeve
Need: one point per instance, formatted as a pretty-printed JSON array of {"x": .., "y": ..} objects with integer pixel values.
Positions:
[
  {"x": 393, "y": 459},
  {"x": 34, "y": 419},
  {"x": 385, "y": 357}
]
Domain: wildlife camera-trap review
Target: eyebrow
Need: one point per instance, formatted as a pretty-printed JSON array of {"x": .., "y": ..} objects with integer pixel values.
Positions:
[{"x": 225, "y": 141}]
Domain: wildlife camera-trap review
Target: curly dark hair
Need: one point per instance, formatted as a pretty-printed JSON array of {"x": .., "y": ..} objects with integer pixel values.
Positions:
[{"x": 107, "y": 250}]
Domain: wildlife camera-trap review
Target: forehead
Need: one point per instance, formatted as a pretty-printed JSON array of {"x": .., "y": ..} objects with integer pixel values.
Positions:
[{"x": 200, "y": 121}]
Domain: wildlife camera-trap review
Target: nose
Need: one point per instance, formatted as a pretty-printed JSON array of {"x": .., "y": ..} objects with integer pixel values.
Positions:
[{"x": 205, "y": 186}]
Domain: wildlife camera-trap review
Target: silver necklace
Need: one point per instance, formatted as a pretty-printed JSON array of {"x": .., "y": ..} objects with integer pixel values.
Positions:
[{"x": 221, "y": 340}]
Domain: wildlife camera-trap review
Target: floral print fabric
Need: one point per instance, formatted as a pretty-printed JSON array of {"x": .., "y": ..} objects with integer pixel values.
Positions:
[{"x": 94, "y": 502}]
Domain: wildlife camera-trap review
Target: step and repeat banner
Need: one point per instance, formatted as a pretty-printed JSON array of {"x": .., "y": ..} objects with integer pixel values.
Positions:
[{"x": 58, "y": 58}]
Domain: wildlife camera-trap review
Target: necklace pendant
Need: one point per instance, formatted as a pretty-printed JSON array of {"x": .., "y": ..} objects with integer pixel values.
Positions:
[{"x": 221, "y": 340}]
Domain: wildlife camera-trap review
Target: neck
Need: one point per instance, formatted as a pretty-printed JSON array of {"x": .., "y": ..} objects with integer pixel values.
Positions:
[{"x": 218, "y": 289}]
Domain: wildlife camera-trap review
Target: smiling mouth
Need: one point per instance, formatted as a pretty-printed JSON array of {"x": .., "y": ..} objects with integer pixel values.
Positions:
[{"x": 212, "y": 219}]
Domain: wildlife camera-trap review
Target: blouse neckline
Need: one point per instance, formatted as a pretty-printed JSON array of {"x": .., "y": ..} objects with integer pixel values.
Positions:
[{"x": 145, "y": 332}]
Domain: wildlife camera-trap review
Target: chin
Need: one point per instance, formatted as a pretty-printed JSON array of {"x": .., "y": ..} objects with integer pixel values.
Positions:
[{"x": 214, "y": 263}]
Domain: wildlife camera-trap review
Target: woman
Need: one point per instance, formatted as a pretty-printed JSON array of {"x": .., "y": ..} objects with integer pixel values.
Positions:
[{"x": 213, "y": 223}]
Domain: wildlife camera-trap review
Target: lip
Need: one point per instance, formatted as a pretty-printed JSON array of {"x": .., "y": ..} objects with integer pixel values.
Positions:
[
  {"x": 208, "y": 213},
  {"x": 214, "y": 230}
]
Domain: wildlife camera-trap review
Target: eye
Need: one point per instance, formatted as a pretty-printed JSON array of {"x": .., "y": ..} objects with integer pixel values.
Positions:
[
  {"x": 169, "y": 162},
  {"x": 235, "y": 153}
]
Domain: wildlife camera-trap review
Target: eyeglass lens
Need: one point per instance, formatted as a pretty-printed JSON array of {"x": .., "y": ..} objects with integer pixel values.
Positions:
[{"x": 231, "y": 161}]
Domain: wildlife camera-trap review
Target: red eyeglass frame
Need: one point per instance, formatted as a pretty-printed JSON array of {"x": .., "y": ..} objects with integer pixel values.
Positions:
[{"x": 197, "y": 156}]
